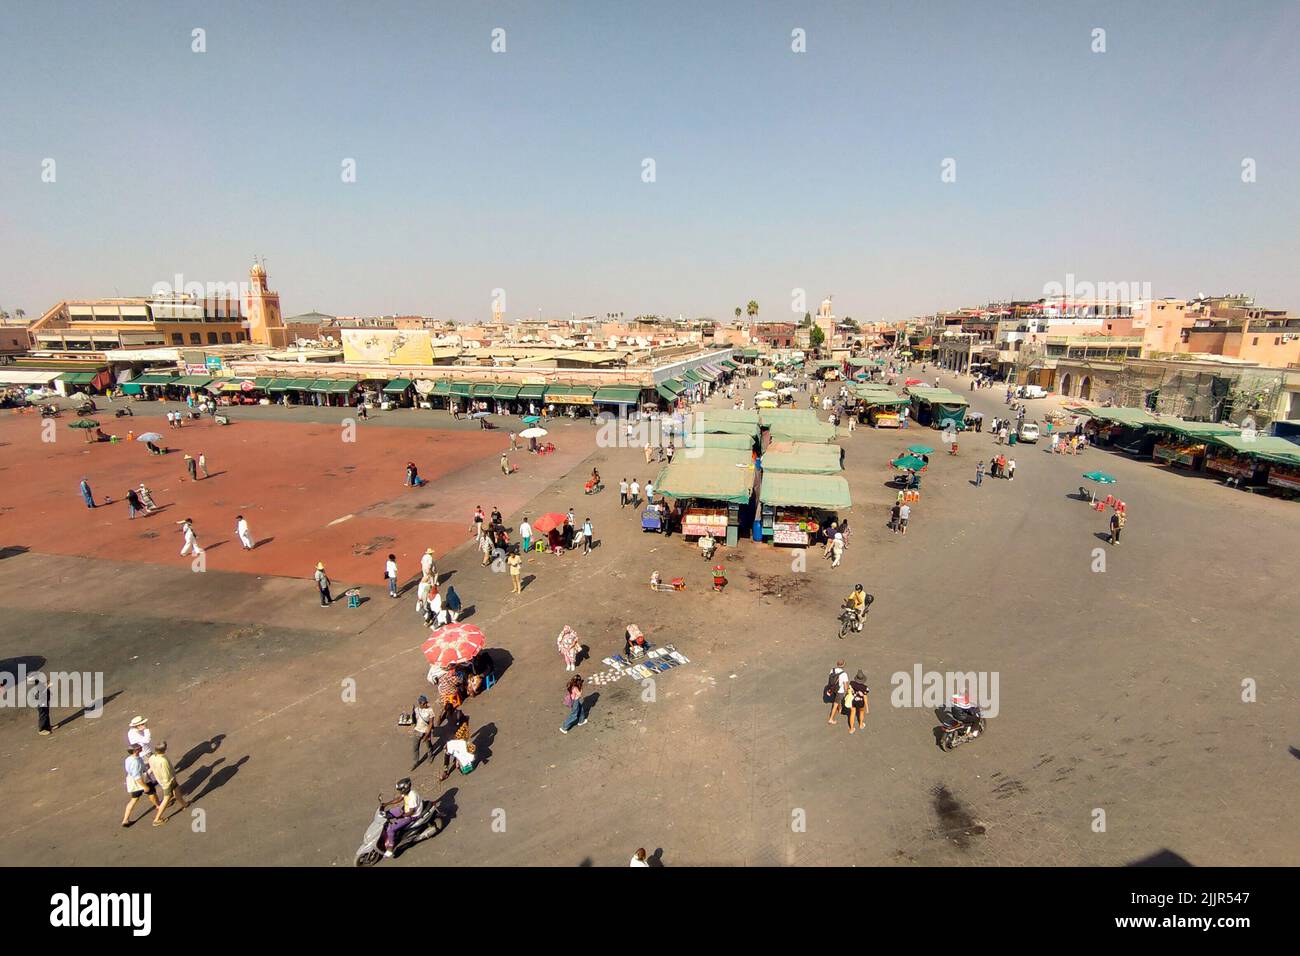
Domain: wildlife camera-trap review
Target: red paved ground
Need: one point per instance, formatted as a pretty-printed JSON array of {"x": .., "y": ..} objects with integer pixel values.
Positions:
[{"x": 289, "y": 480}]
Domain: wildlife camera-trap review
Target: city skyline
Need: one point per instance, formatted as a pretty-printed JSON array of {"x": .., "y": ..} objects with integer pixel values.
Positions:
[{"x": 523, "y": 170}]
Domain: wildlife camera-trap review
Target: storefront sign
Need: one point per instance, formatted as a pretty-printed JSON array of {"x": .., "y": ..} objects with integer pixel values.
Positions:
[
  {"x": 697, "y": 521},
  {"x": 784, "y": 536},
  {"x": 1289, "y": 480},
  {"x": 1230, "y": 466}
]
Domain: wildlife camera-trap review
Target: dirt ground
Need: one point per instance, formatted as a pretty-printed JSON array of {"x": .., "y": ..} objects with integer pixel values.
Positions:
[{"x": 1120, "y": 691}]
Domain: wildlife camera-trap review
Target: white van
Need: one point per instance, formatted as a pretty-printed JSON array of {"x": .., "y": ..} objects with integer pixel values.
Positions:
[
  {"x": 1033, "y": 391},
  {"x": 1029, "y": 432}
]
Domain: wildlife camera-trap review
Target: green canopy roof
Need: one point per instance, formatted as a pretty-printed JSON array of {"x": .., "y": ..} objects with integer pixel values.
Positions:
[
  {"x": 719, "y": 440},
  {"x": 617, "y": 395},
  {"x": 748, "y": 416},
  {"x": 531, "y": 391},
  {"x": 728, "y": 364},
  {"x": 1132, "y": 417},
  {"x": 1196, "y": 429},
  {"x": 1259, "y": 445},
  {"x": 263, "y": 381},
  {"x": 152, "y": 378},
  {"x": 194, "y": 381},
  {"x": 709, "y": 476},
  {"x": 827, "y": 363},
  {"x": 397, "y": 386},
  {"x": 706, "y": 423},
  {"x": 442, "y": 387},
  {"x": 667, "y": 394},
  {"x": 461, "y": 389},
  {"x": 280, "y": 385},
  {"x": 341, "y": 386},
  {"x": 320, "y": 385},
  {"x": 506, "y": 391},
  {"x": 830, "y": 492},
  {"x": 773, "y": 416},
  {"x": 482, "y": 390},
  {"x": 77, "y": 378},
  {"x": 802, "y": 431},
  {"x": 706, "y": 374},
  {"x": 802, "y": 458},
  {"x": 691, "y": 377},
  {"x": 749, "y": 353},
  {"x": 672, "y": 385}
]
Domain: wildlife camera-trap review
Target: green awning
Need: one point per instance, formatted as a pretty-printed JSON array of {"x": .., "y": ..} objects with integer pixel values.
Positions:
[
  {"x": 1197, "y": 429},
  {"x": 667, "y": 394},
  {"x": 795, "y": 430},
  {"x": 300, "y": 384},
  {"x": 152, "y": 378},
  {"x": 691, "y": 377},
  {"x": 710, "y": 440},
  {"x": 341, "y": 387},
  {"x": 672, "y": 385},
  {"x": 728, "y": 364},
  {"x": 506, "y": 392},
  {"x": 131, "y": 388},
  {"x": 397, "y": 386},
  {"x": 706, "y": 374},
  {"x": 262, "y": 382},
  {"x": 830, "y": 492},
  {"x": 320, "y": 385},
  {"x": 749, "y": 353},
  {"x": 615, "y": 395},
  {"x": 1258, "y": 445},
  {"x": 280, "y": 385},
  {"x": 710, "y": 474},
  {"x": 802, "y": 458},
  {"x": 77, "y": 378},
  {"x": 193, "y": 381},
  {"x": 527, "y": 392},
  {"x": 482, "y": 390},
  {"x": 461, "y": 389}
]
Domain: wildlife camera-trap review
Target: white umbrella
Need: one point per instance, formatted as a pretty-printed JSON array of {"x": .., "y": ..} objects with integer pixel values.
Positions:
[
  {"x": 149, "y": 436},
  {"x": 533, "y": 433},
  {"x": 766, "y": 395},
  {"x": 782, "y": 378}
]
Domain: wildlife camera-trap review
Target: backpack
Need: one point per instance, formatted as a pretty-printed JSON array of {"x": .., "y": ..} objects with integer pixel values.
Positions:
[{"x": 832, "y": 684}]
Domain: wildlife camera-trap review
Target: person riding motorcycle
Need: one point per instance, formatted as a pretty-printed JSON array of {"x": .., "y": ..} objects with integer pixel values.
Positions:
[
  {"x": 857, "y": 603},
  {"x": 400, "y": 820},
  {"x": 968, "y": 713},
  {"x": 707, "y": 545}
]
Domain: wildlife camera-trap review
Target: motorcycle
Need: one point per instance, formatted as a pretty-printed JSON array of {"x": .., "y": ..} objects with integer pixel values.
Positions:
[
  {"x": 426, "y": 824},
  {"x": 49, "y": 411},
  {"x": 954, "y": 730},
  {"x": 849, "y": 620}
]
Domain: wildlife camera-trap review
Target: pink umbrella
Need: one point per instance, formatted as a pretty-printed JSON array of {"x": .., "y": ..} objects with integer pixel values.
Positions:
[{"x": 453, "y": 644}]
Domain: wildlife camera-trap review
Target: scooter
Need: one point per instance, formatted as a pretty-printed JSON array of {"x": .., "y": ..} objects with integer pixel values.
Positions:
[
  {"x": 849, "y": 620},
  {"x": 425, "y": 825},
  {"x": 955, "y": 731}
]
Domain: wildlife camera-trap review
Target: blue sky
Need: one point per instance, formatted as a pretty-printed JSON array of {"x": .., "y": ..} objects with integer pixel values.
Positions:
[{"x": 774, "y": 170}]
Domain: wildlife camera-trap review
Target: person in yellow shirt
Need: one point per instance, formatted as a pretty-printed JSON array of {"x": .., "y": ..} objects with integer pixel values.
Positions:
[
  {"x": 168, "y": 785},
  {"x": 857, "y": 603}
]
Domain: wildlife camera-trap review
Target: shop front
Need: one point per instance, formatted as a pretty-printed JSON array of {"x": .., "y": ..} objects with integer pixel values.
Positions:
[
  {"x": 706, "y": 488},
  {"x": 795, "y": 508},
  {"x": 1284, "y": 476},
  {"x": 1174, "y": 450}
]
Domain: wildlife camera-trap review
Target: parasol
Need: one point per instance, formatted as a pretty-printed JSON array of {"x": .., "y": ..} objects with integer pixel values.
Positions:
[
  {"x": 1100, "y": 477},
  {"x": 533, "y": 433},
  {"x": 549, "y": 521},
  {"x": 920, "y": 449},
  {"x": 149, "y": 436},
  {"x": 769, "y": 384},
  {"x": 531, "y": 419},
  {"x": 908, "y": 461},
  {"x": 84, "y": 423},
  {"x": 453, "y": 644}
]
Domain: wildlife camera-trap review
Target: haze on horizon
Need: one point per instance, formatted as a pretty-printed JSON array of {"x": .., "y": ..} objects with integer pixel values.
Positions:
[{"x": 774, "y": 170}]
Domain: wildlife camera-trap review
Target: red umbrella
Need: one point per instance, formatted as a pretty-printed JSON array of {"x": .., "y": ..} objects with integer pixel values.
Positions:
[
  {"x": 913, "y": 381},
  {"x": 549, "y": 521},
  {"x": 453, "y": 644}
]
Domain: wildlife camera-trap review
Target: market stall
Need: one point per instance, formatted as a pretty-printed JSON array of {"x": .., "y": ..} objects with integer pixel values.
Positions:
[
  {"x": 1284, "y": 474},
  {"x": 938, "y": 407},
  {"x": 702, "y": 486},
  {"x": 880, "y": 406},
  {"x": 1184, "y": 443},
  {"x": 795, "y": 508}
]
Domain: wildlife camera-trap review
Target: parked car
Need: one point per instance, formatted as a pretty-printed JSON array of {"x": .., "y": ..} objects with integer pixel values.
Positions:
[
  {"x": 1033, "y": 391},
  {"x": 1029, "y": 432}
]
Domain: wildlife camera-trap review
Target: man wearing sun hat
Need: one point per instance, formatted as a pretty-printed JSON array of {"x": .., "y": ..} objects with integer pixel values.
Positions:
[
  {"x": 427, "y": 566},
  {"x": 139, "y": 733},
  {"x": 323, "y": 583}
]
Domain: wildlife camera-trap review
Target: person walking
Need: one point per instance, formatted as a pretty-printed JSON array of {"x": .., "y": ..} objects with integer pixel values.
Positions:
[
  {"x": 86, "y": 495},
  {"x": 133, "y": 503},
  {"x": 505, "y": 465},
  {"x": 203, "y": 464},
  {"x": 40, "y": 695},
  {"x": 138, "y": 783},
  {"x": 485, "y": 548},
  {"x": 1117, "y": 521},
  {"x": 622, "y": 493},
  {"x": 427, "y": 566},
  {"x": 516, "y": 571},
  {"x": 323, "y": 584},
  {"x": 649, "y": 453},
  {"x": 451, "y": 604},
  {"x": 586, "y": 537},
  {"x": 635, "y": 489},
  {"x": 423, "y": 591},
  {"x": 837, "y": 686},
  {"x": 191, "y": 545},
  {"x": 669, "y": 451},
  {"x": 979, "y": 473},
  {"x": 192, "y": 468},
  {"x": 168, "y": 786},
  {"x": 390, "y": 574},
  {"x": 569, "y": 645},
  {"x": 857, "y": 700},
  {"x": 477, "y": 524},
  {"x": 577, "y": 706},
  {"x": 242, "y": 532},
  {"x": 421, "y": 730},
  {"x": 526, "y": 534},
  {"x": 894, "y": 514},
  {"x": 513, "y": 446},
  {"x": 1011, "y": 469},
  {"x": 146, "y": 498},
  {"x": 649, "y": 491},
  {"x": 904, "y": 513},
  {"x": 837, "y": 549}
]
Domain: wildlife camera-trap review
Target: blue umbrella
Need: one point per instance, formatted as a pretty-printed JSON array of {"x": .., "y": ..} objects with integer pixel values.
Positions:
[{"x": 531, "y": 419}]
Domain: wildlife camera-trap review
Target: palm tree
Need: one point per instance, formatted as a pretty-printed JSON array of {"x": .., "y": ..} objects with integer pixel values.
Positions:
[
  {"x": 752, "y": 308},
  {"x": 21, "y": 313}
]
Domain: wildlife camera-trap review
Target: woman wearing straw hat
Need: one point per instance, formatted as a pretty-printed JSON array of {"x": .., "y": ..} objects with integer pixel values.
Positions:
[
  {"x": 323, "y": 582},
  {"x": 856, "y": 701}
]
